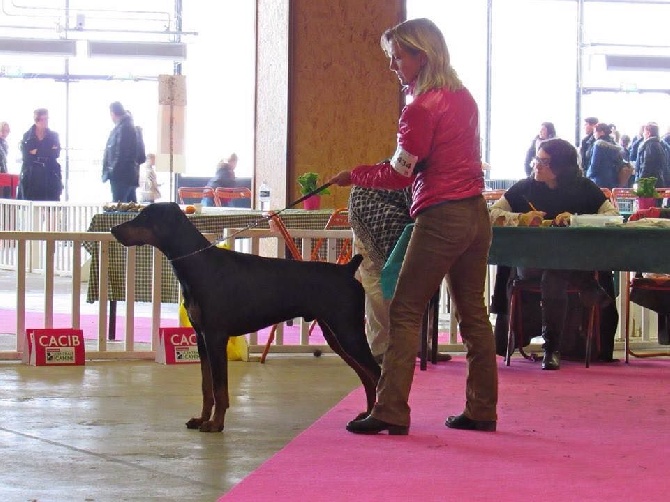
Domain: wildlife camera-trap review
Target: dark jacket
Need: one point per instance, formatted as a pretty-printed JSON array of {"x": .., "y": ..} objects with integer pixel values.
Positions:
[
  {"x": 224, "y": 177},
  {"x": 652, "y": 161},
  {"x": 119, "y": 164},
  {"x": 40, "y": 172},
  {"x": 585, "y": 150},
  {"x": 606, "y": 161},
  {"x": 634, "y": 147}
]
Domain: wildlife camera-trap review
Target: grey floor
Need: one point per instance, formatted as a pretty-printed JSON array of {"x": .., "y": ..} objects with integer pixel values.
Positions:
[{"x": 115, "y": 430}]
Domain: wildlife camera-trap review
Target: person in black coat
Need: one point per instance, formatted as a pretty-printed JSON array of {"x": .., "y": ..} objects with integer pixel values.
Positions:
[
  {"x": 224, "y": 177},
  {"x": 606, "y": 159},
  {"x": 587, "y": 142},
  {"x": 41, "y": 177},
  {"x": 652, "y": 157},
  {"x": 119, "y": 165}
]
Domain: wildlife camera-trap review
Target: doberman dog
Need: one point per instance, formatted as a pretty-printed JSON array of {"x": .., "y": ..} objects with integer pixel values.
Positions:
[{"x": 227, "y": 293}]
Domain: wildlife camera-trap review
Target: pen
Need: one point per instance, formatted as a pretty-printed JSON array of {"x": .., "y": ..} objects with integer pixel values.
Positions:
[{"x": 530, "y": 204}]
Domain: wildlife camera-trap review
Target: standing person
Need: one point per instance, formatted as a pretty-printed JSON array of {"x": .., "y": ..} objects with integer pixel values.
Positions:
[
  {"x": 606, "y": 158},
  {"x": 4, "y": 153},
  {"x": 40, "y": 172},
  {"x": 653, "y": 159},
  {"x": 547, "y": 131},
  {"x": 377, "y": 218},
  {"x": 587, "y": 141},
  {"x": 119, "y": 165},
  {"x": 149, "y": 181},
  {"x": 438, "y": 153},
  {"x": 635, "y": 144},
  {"x": 624, "y": 143},
  {"x": 224, "y": 177}
]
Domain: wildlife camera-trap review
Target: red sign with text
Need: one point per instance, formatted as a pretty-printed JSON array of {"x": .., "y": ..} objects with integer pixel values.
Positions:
[
  {"x": 54, "y": 347},
  {"x": 177, "y": 346}
]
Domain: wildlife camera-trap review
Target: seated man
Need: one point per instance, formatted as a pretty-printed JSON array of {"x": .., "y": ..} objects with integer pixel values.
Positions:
[{"x": 554, "y": 191}]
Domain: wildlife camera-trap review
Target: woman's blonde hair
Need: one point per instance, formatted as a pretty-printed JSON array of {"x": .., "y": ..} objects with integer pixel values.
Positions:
[{"x": 423, "y": 36}]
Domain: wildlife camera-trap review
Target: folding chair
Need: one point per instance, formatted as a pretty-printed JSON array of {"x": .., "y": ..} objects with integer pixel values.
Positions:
[
  {"x": 608, "y": 193},
  {"x": 191, "y": 195},
  {"x": 490, "y": 196},
  {"x": 516, "y": 338},
  {"x": 659, "y": 286},
  {"x": 339, "y": 219},
  {"x": 277, "y": 225},
  {"x": 224, "y": 194}
]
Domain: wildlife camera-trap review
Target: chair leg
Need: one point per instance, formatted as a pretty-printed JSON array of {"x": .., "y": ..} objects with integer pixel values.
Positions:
[
  {"x": 423, "y": 351},
  {"x": 593, "y": 330},
  {"x": 435, "y": 310},
  {"x": 510, "y": 332},
  {"x": 268, "y": 344},
  {"x": 626, "y": 303}
]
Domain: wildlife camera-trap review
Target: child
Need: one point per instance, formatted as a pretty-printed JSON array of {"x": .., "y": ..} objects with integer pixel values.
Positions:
[{"x": 149, "y": 182}]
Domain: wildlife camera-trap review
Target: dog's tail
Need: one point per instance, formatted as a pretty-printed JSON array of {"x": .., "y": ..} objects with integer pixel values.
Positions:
[{"x": 354, "y": 263}]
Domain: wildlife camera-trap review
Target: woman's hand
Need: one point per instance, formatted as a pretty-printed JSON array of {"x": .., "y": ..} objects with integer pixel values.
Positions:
[
  {"x": 562, "y": 220},
  {"x": 531, "y": 218},
  {"x": 343, "y": 179}
]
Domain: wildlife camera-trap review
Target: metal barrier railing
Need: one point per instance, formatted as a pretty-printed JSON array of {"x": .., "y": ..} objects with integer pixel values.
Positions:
[
  {"x": 262, "y": 242},
  {"x": 28, "y": 216}
]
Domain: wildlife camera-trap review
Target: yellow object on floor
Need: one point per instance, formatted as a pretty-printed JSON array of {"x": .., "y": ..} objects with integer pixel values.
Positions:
[{"x": 238, "y": 347}]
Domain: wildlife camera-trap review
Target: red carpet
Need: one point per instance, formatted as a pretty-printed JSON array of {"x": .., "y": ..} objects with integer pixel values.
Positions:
[{"x": 576, "y": 434}]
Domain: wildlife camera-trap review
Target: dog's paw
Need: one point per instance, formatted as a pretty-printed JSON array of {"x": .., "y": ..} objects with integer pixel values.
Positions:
[
  {"x": 210, "y": 426},
  {"x": 194, "y": 423}
]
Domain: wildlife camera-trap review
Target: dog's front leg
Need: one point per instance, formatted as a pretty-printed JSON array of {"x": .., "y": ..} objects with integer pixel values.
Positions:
[
  {"x": 207, "y": 387},
  {"x": 218, "y": 362}
]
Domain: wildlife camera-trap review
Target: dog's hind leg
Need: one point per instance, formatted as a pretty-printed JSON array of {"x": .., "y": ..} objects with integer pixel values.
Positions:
[
  {"x": 207, "y": 387},
  {"x": 217, "y": 344},
  {"x": 359, "y": 358}
]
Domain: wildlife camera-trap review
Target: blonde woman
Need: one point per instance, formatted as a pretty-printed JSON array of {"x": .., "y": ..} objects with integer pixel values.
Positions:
[{"x": 438, "y": 154}]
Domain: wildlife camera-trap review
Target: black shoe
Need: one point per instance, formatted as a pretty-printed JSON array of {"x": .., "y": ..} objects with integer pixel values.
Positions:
[
  {"x": 551, "y": 360},
  {"x": 372, "y": 425},
  {"x": 594, "y": 295},
  {"x": 468, "y": 424},
  {"x": 442, "y": 357}
]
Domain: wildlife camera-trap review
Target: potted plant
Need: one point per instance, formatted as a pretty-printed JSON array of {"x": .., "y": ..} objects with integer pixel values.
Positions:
[
  {"x": 646, "y": 193},
  {"x": 308, "y": 183}
]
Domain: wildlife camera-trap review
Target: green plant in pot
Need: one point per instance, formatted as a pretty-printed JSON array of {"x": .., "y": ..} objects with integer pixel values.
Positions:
[
  {"x": 646, "y": 192},
  {"x": 646, "y": 188},
  {"x": 308, "y": 183}
]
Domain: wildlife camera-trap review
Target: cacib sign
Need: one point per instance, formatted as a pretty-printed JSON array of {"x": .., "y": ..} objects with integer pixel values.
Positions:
[
  {"x": 177, "y": 346},
  {"x": 54, "y": 347}
]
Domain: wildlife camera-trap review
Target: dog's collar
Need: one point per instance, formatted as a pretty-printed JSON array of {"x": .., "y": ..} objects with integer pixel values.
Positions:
[{"x": 213, "y": 244}]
